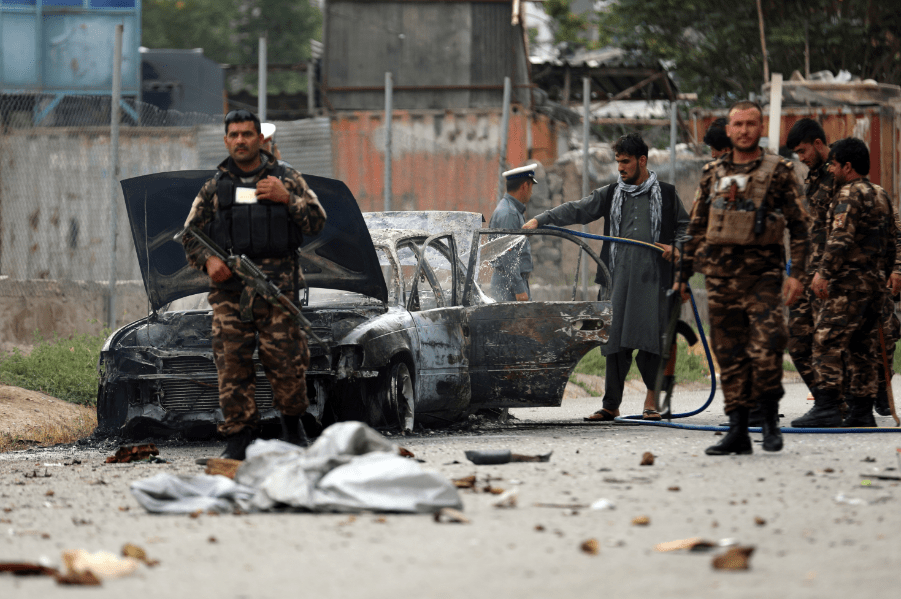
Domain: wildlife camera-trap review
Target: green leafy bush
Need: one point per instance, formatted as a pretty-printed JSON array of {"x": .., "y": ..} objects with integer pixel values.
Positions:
[{"x": 64, "y": 367}]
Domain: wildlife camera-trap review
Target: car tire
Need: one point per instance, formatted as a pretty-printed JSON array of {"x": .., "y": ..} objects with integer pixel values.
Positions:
[{"x": 399, "y": 397}]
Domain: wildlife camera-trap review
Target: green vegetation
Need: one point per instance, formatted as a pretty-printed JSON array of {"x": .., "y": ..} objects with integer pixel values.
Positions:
[
  {"x": 690, "y": 367},
  {"x": 65, "y": 368}
]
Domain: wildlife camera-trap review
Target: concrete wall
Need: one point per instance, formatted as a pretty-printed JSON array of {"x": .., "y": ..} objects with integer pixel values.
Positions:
[
  {"x": 63, "y": 308},
  {"x": 55, "y": 197}
]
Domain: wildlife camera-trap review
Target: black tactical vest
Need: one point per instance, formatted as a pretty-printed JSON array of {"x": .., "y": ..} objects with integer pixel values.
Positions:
[{"x": 262, "y": 229}]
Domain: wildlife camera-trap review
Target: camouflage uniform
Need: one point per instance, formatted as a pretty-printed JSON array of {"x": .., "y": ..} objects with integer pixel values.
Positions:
[
  {"x": 240, "y": 316},
  {"x": 802, "y": 314},
  {"x": 859, "y": 254},
  {"x": 744, "y": 282}
]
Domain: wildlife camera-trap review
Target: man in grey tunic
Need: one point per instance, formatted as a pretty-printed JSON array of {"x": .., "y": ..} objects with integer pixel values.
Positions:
[
  {"x": 641, "y": 208},
  {"x": 510, "y": 280}
]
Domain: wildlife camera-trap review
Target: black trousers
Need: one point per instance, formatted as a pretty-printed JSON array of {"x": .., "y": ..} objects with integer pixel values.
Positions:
[{"x": 618, "y": 365}]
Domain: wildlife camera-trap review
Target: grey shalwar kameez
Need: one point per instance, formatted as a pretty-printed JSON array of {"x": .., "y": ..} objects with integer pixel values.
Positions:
[{"x": 640, "y": 280}]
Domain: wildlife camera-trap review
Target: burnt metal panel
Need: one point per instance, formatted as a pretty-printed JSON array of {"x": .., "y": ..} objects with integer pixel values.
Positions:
[{"x": 340, "y": 257}]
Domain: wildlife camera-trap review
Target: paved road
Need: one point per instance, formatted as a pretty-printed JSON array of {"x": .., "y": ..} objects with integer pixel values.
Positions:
[{"x": 809, "y": 545}]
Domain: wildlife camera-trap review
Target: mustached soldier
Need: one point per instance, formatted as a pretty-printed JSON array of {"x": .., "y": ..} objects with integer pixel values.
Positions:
[
  {"x": 808, "y": 140},
  {"x": 745, "y": 202},
  {"x": 254, "y": 206},
  {"x": 851, "y": 280}
]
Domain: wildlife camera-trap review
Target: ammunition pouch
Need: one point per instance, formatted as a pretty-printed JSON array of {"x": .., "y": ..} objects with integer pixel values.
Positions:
[
  {"x": 745, "y": 220},
  {"x": 259, "y": 229}
]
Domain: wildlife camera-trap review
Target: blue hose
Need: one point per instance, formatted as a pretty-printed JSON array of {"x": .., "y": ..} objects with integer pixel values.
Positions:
[{"x": 639, "y": 419}]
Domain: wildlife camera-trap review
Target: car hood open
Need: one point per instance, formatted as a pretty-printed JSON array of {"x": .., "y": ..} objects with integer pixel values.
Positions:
[{"x": 340, "y": 257}]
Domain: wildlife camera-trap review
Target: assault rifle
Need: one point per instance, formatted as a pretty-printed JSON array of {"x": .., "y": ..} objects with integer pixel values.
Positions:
[
  {"x": 250, "y": 274},
  {"x": 666, "y": 372}
]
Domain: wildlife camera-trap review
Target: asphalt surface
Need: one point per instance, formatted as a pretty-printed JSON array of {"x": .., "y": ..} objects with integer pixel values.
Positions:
[{"x": 818, "y": 528}]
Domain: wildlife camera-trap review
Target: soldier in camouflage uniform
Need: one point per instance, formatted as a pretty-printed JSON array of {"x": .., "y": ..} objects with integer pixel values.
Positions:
[
  {"x": 851, "y": 281},
  {"x": 252, "y": 188},
  {"x": 746, "y": 200},
  {"x": 808, "y": 140}
]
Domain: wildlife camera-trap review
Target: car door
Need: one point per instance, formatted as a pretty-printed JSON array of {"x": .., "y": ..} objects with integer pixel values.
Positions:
[
  {"x": 522, "y": 353},
  {"x": 442, "y": 379}
]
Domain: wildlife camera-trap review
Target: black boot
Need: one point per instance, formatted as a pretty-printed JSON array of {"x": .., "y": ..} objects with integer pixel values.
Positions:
[
  {"x": 861, "y": 413},
  {"x": 772, "y": 434},
  {"x": 881, "y": 402},
  {"x": 737, "y": 440},
  {"x": 293, "y": 431},
  {"x": 825, "y": 412},
  {"x": 236, "y": 449}
]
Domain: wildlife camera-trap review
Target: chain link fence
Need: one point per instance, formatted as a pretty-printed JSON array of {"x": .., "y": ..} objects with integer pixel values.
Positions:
[{"x": 57, "y": 190}]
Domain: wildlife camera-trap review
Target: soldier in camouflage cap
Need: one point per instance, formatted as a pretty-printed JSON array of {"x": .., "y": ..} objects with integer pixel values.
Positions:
[
  {"x": 851, "y": 282},
  {"x": 746, "y": 200},
  {"x": 807, "y": 138},
  {"x": 256, "y": 207}
]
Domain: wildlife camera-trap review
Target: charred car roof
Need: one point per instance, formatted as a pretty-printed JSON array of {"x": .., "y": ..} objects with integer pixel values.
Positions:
[{"x": 341, "y": 257}]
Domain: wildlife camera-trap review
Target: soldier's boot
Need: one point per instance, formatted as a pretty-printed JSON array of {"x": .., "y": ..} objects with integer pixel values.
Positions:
[
  {"x": 881, "y": 402},
  {"x": 236, "y": 446},
  {"x": 737, "y": 440},
  {"x": 293, "y": 431},
  {"x": 861, "y": 413},
  {"x": 825, "y": 412},
  {"x": 772, "y": 434}
]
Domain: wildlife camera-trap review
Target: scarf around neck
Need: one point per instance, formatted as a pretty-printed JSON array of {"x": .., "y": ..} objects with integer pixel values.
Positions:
[{"x": 616, "y": 210}]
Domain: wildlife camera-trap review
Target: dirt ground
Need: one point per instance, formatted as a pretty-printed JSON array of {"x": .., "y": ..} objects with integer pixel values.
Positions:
[
  {"x": 821, "y": 523},
  {"x": 22, "y": 411}
]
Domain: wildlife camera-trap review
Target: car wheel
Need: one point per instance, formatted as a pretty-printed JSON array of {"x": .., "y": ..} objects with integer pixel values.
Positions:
[{"x": 400, "y": 397}]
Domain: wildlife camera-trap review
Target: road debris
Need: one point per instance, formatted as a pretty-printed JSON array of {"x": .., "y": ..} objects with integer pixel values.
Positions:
[
  {"x": 133, "y": 453},
  {"x": 350, "y": 468},
  {"x": 223, "y": 467},
  {"x": 591, "y": 547},
  {"x": 603, "y": 504},
  {"x": 506, "y": 500},
  {"x": 502, "y": 456},
  {"x": 690, "y": 544},
  {"x": 103, "y": 564},
  {"x": 449, "y": 515},
  {"x": 647, "y": 459},
  {"x": 674, "y": 488},
  {"x": 135, "y": 552},
  {"x": 736, "y": 558},
  {"x": 641, "y": 521}
]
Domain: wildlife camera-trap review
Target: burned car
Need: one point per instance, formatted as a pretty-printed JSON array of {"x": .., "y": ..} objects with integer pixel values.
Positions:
[{"x": 400, "y": 299}]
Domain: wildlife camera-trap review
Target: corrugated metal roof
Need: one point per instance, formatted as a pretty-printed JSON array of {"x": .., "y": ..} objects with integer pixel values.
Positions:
[
  {"x": 613, "y": 72},
  {"x": 306, "y": 145}
]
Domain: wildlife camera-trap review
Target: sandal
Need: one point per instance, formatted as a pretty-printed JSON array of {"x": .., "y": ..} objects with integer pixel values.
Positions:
[
  {"x": 601, "y": 415},
  {"x": 650, "y": 415}
]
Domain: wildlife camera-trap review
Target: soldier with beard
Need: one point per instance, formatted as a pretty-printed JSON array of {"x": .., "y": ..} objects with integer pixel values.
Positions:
[
  {"x": 850, "y": 281},
  {"x": 745, "y": 202}
]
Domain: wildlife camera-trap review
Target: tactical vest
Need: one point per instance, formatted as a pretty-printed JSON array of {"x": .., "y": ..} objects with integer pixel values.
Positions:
[
  {"x": 256, "y": 228},
  {"x": 739, "y": 214}
]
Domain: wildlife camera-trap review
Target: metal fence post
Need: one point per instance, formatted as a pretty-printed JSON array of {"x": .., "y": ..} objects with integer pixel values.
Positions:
[
  {"x": 261, "y": 80},
  {"x": 505, "y": 125},
  {"x": 586, "y": 125},
  {"x": 389, "y": 113},
  {"x": 672, "y": 141},
  {"x": 114, "y": 172}
]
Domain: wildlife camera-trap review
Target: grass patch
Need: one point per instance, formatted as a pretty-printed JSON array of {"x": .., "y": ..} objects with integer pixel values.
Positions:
[
  {"x": 690, "y": 367},
  {"x": 62, "y": 367},
  {"x": 51, "y": 433}
]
